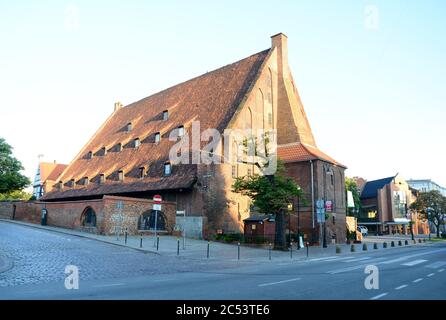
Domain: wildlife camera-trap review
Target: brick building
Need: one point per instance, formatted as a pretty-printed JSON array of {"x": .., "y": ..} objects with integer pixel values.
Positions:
[
  {"x": 46, "y": 176},
  {"x": 129, "y": 156},
  {"x": 385, "y": 207}
]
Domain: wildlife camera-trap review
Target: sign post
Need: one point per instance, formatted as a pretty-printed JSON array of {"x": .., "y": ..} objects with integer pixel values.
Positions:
[
  {"x": 320, "y": 209},
  {"x": 157, "y": 199}
]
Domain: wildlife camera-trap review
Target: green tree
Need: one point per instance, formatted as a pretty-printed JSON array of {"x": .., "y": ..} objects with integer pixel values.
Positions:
[
  {"x": 271, "y": 194},
  {"x": 351, "y": 185},
  {"x": 11, "y": 178},
  {"x": 432, "y": 205},
  {"x": 16, "y": 195}
]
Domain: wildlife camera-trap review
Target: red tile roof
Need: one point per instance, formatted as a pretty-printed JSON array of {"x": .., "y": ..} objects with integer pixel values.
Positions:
[
  {"x": 51, "y": 171},
  {"x": 297, "y": 152},
  {"x": 211, "y": 99}
]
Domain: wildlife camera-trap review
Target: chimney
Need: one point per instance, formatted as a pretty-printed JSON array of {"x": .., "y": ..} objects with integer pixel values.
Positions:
[
  {"x": 280, "y": 41},
  {"x": 118, "y": 105}
]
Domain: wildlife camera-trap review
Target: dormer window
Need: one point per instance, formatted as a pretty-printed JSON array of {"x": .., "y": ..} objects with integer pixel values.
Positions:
[
  {"x": 142, "y": 172},
  {"x": 71, "y": 183},
  {"x": 167, "y": 169},
  {"x": 85, "y": 181},
  {"x": 121, "y": 175},
  {"x": 90, "y": 155},
  {"x": 129, "y": 127},
  {"x": 102, "y": 178},
  {"x": 118, "y": 147},
  {"x": 157, "y": 137},
  {"x": 104, "y": 151},
  {"x": 60, "y": 185},
  {"x": 180, "y": 131},
  {"x": 165, "y": 115},
  {"x": 136, "y": 143}
]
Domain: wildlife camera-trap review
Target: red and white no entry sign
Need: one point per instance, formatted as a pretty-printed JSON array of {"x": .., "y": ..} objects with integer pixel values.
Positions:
[{"x": 157, "y": 198}]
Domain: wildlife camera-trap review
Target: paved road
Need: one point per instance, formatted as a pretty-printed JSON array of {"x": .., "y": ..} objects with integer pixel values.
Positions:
[{"x": 109, "y": 272}]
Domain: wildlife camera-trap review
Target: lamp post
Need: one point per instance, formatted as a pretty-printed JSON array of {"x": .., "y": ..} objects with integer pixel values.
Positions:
[
  {"x": 290, "y": 208},
  {"x": 298, "y": 223}
]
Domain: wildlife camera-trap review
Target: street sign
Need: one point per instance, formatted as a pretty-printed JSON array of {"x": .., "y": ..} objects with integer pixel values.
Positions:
[
  {"x": 320, "y": 204},
  {"x": 320, "y": 215},
  {"x": 329, "y": 206},
  {"x": 157, "y": 198},
  {"x": 157, "y": 206},
  {"x": 181, "y": 213}
]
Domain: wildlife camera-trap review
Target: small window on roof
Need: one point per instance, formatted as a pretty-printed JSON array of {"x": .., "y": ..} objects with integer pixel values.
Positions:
[
  {"x": 129, "y": 127},
  {"x": 137, "y": 143},
  {"x": 157, "y": 137},
  {"x": 102, "y": 178},
  {"x": 165, "y": 115},
  {"x": 167, "y": 169},
  {"x": 85, "y": 181},
  {"x": 121, "y": 175},
  {"x": 142, "y": 172},
  {"x": 104, "y": 151},
  {"x": 71, "y": 183},
  {"x": 90, "y": 155},
  {"x": 180, "y": 131}
]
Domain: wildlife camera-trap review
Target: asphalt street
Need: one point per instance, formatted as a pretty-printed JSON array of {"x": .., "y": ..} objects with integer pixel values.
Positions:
[{"x": 110, "y": 272}]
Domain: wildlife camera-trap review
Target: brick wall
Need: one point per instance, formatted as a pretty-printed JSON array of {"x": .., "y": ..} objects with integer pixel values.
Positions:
[{"x": 6, "y": 210}]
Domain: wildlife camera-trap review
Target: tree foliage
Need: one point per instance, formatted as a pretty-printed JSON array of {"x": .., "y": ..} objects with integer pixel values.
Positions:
[
  {"x": 351, "y": 185},
  {"x": 432, "y": 206},
  {"x": 11, "y": 178},
  {"x": 271, "y": 195}
]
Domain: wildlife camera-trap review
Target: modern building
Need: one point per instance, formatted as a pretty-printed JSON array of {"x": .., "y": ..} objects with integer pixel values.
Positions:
[
  {"x": 111, "y": 182},
  {"x": 46, "y": 175},
  {"x": 426, "y": 185},
  {"x": 386, "y": 207}
]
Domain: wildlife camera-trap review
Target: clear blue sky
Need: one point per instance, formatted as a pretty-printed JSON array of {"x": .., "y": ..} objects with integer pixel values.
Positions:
[{"x": 375, "y": 97}]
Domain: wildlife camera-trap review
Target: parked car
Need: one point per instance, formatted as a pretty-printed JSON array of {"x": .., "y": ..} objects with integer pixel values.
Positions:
[{"x": 364, "y": 231}]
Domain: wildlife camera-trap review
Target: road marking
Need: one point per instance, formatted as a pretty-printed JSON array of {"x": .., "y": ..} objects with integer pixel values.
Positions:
[
  {"x": 401, "y": 287},
  {"x": 375, "y": 261},
  {"x": 441, "y": 270},
  {"x": 413, "y": 263},
  {"x": 358, "y": 259},
  {"x": 379, "y": 296},
  {"x": 431, "y": 274},
  {"x": 109, "y": 285},
  {"x": 278, "y": 282},
  {"x": 436, "y": 265},
  {"x": 413, "y": 256},
  {"x": 162, "y": 280},
  {"x": 418, "y": 280}
]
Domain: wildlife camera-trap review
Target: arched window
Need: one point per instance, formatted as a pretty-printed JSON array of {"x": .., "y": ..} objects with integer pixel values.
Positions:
[
  {"x": 147, "y": 221},
  {"x": 88, "y": 217}
]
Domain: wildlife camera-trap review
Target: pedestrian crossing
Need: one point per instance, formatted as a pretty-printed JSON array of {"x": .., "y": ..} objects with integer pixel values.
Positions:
[{"x": 407, "y": 261}]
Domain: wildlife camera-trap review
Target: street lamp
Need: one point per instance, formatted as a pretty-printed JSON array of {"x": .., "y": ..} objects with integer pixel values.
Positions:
[{"x": 298, "y": 223}]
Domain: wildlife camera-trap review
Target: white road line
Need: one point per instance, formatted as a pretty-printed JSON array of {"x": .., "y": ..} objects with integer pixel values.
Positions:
[
  {"x": 436, "y": 265},
  {"x": 375, "y": 261},
  {"x": 431, "y": 274},
  {"x": 401, "y": 287},
  {"x": 413, "y": 256},
  {"x": 278, "y": 282},
  {"x": 109, "y": 285},
  {"x": 441, "y": 270},
  {"x": 417, "y": 280},
  {"x": 379, "y": 296},
  {"x": 358, "y": 259},
  {"x": 413, "y": 263}
]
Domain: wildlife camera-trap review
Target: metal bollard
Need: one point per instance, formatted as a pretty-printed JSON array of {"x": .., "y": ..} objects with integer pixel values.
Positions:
[
  {"x": 125, "y": 239},
  {"x": 157, "y": 243},
  {"x": 400, "y": 243},
  {"x": 270, "y": 247},
  {"x": 364, "y": 247},
  {"x": 207, "y": 254},
  {"x": 238, "y": 251},
  {"x": 140, "y": 242},
  {"x": 375, "y": 246},
  {"x": 406, "y": 243},
  {"x": 392, "y": 244},
  {"x": 291, "y": 249},
  {"x": 384, "y": 245},
  {"x": 308, "y": 248},
  {"x": 178, "y": 246},
  {"x": 338, "y": 249},
  {"x": 419, "y": 240},
  {"x": 352, "y": 248}
]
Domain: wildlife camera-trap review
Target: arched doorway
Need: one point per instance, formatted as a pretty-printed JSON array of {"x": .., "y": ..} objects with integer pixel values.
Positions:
[
  {"x": 88, "y": 218},
  {"x": 147, "y": 221}
]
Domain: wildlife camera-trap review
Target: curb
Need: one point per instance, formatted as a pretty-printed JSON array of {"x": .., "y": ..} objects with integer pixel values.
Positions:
[{"x": 76, "y": 235}]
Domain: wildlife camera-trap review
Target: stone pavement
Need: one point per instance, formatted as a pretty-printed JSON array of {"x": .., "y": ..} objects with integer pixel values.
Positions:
[{"x": 197, "y": 249}]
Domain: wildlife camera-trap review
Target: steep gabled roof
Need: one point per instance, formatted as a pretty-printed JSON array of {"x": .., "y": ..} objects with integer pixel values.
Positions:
[
  {"x": 211, "y": 99},
  {"x": 371, "y": 187},
  {"x": 50, "y": 171},
  {"x": 298, "y": 152}
]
